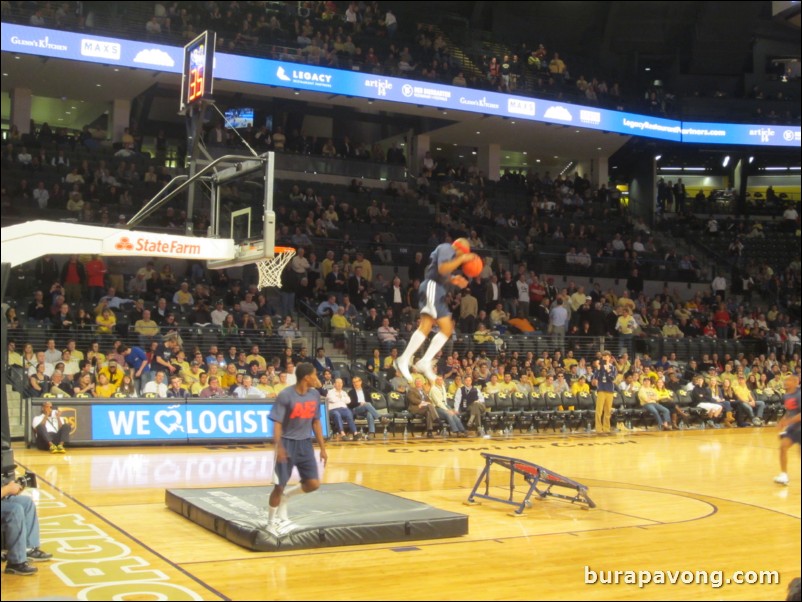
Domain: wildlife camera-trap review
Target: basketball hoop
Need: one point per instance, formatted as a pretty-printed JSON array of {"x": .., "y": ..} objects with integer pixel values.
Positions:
[{"x": 270, "y": 269}]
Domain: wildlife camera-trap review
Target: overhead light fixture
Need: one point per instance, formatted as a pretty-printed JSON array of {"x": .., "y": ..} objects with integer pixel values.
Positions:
[
  {"x": 526, "y": 152},
  {"x": 726, "y": 161},
  {"x": 658, "y": 157},
  {"x": 751, "y": 160},
  {"x": 775, "y": 168},
  {"x": 648, "y": 69},
  {"x": 438, "y": 148},
  {"x": 670, "y": 168},
  {"x": 695, "y": 169},
  {"x": 478, "y": 132}
]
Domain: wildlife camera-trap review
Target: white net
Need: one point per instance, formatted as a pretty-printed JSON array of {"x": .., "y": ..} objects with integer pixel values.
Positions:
[{"x": 270, "y": 269}]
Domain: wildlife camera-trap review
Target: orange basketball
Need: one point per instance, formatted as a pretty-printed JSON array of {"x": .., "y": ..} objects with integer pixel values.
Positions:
[{"x": 473, "y": 267}]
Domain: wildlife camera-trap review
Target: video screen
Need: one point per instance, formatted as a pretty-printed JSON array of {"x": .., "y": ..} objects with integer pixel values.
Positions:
[{"x": 239, "y": 118}]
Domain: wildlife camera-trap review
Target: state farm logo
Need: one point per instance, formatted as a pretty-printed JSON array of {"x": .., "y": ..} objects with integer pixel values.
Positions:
[
  {"x": 156, "y": 246},
  {"x": 100, "y": 49},
  {"x": 124, "y": 244}
]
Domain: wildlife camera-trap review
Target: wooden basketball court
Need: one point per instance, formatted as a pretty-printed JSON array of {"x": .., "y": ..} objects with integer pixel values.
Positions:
[{"x": 682, "y": 501}]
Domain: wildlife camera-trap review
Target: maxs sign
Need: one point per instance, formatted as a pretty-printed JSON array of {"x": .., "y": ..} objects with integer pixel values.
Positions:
[{"x": 182, "y": 422}]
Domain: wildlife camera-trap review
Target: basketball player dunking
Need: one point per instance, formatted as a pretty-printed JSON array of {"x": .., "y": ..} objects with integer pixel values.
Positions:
[
  {"x": 433, "y": 308},
  {"x": 789, "y": 426},
  {"x": 295, "y": 414}
]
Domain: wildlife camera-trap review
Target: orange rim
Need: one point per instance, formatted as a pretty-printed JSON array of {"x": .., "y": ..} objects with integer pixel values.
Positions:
[{"x": 282, "y": 249}]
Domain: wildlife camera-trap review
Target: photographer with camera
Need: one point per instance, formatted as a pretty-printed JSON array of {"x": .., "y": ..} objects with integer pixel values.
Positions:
[
  {"x": 52, "y": 431},
  {"x": 21, "y": 530}
]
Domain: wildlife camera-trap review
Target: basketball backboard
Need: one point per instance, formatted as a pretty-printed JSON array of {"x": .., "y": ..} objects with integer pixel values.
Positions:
[{"x": 242, "y": 210}]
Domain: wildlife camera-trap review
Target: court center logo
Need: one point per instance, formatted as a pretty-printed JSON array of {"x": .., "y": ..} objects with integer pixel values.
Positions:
[{"x": 124, "y": 244}]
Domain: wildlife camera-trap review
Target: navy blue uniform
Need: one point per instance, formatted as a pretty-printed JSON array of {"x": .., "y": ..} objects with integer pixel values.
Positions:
[
  {"x": 296, "y": 413},
  {"x": 791, "y": 402},
  {"x": 432, "y": 295}
]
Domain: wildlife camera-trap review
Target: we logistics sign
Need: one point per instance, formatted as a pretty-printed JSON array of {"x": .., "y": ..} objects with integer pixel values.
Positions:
[
  {"x": 108, "y": 421},
  {"x": 184, "y": 422}
]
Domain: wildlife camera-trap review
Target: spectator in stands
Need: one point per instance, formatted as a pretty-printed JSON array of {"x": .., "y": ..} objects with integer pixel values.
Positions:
[
  {"x": 387, "y": 335},
  {"x": 106, "y": 322},
  {"x": 470, "y": 398},
  {"x": 648, "y": 397},
  {"x": 52, "y": 431},
  {"x": 337, "y": 401},
  {"x": 747, "y": 404},
  {"x": 153, "y": 28},
  {"x": 361, "y": 405},
  {"x": 176, "y": 388},
  {"x": 702, "y": 398},
  {"x": 73, "y": 277},
  {"x": 84, "y": 385},
  {"x": 419, "y": 404},
  {"x": 247, "y": 390},
  {"x": 183, "y": 297},
  {"x": 557, "y": 68},
  {"x": 439, "y": 398},
  {"x": 291, "y": 334}
]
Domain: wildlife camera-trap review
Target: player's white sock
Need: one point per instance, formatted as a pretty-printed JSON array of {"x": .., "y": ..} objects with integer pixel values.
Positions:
[
  {"x": 291, "y": 491},
  {"x": 415, "y": 341},
  {"x": 281, "y": 513},
  {"x": 271, "y": 513},
  {"x": 436, "y": 345}
]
